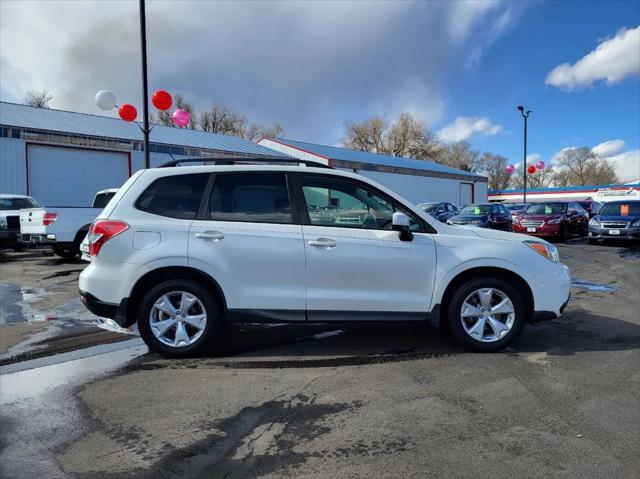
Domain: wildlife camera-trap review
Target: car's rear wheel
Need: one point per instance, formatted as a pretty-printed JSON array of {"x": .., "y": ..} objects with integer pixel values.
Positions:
[
  {"x": 487, "y": 314},
  {"x": 178, "y": 318}
]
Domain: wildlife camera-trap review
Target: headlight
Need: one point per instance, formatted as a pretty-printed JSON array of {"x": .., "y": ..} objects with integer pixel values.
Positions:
[
  {"x": 555, "y": 222},
  {"x": 594, "y": 222},
  {"x": 547, "y": 250},
  {"x": 635, "y": 224}
]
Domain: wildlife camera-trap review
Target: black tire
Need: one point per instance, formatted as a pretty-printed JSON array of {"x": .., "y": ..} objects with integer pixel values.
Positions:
[
  {"x": 210, "y": 307},
  {"x": 18, "y": 248},
  {"x": 592, "y": 241},
  {"x": 67, "y": 252},
  {"x": 454, "y": 310}
]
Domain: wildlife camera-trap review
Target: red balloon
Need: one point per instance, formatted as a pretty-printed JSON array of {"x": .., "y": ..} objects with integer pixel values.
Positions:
[
  {"x": 128, "y": 112},
  {"x": 161, "y": 100},
  {"x": 531, "y": 169}
]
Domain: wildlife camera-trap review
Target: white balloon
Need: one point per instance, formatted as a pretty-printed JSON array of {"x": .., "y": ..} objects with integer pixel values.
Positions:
[{"x": 105, "y": 100}]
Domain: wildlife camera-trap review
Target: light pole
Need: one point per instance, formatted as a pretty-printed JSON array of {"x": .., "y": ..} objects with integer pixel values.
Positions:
[
  {"x": 525, "y": 115},
  {"x": 145, "y": 88}
]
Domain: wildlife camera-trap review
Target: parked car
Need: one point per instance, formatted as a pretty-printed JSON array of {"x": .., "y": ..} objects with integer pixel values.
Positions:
[
  {"x": 558, "y": 219},
  {"x": 440, "y": 211},
  {"x": 10, "y": 206},
  {"x": 590, "y": 206},
  {"x": 491, "y": 215},
  {"x": 618, "y": 220},
  {"x": 64, "y": 228},
  {"x": 180, "y": 250},
  {"x": 516, "y": 209}
]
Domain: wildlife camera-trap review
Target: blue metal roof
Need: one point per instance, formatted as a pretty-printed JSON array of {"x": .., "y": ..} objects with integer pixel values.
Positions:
[
  {"x": 562, "y": 188},
  {"x": 346, "y": 154},
  {"x": 24, "y": 116}
]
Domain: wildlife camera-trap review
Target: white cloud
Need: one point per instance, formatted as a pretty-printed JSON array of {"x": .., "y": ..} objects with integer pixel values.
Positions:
[
  {"x": 627, "y": 165},
  {"x": 613, "y": 60},
  {"x": 609, "y": 148},
  {"x": 464, "y": 127},
  {"x": 320, "y": 61}
]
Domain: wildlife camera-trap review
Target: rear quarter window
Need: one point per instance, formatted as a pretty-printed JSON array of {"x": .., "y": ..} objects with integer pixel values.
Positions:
[{"x": 176, "y": 196}]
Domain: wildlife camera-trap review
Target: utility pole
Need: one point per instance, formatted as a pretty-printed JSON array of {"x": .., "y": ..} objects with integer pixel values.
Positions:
[
  {"x": 145, "y": 88},
  {"x": 525, "y": 115}
]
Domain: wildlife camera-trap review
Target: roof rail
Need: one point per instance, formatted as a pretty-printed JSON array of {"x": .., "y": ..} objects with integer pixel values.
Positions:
[{"x": 233, "y": 160}]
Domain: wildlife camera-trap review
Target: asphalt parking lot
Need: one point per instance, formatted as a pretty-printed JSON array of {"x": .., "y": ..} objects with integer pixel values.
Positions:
[{"x": 321, "y": 401}]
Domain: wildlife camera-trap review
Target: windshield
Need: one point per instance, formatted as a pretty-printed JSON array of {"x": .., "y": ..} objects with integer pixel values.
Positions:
[
  {"x": 516, "y": 207},
  {"x": 476, "y": 210},
  {"x": 547, "y": 209},
  {"x": 428, "y": 207},
  {"x": 620, "y": 209},
  {"x": 17, "y": 203}
]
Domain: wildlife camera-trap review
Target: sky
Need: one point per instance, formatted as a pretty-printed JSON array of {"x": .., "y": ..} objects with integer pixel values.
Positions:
[{"x": 461, "y": 67}]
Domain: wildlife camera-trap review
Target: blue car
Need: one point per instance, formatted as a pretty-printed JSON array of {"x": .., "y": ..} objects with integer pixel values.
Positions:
[
  {"x": 440, "y": 211},
  {"x": 490, "y": 215},
  {"x": 619, "y": 220}
]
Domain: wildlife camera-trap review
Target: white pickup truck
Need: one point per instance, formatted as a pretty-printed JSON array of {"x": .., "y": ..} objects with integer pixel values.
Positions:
[{"x": 64, "y": 228}]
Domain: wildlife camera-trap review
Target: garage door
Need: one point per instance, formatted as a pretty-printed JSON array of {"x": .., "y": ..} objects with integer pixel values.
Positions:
[
  {"x": 72, "y": 176},
  {"x": 466, "y": 193}
]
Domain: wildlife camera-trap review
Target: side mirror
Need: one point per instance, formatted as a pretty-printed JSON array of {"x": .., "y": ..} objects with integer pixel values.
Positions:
[{"x": 400, "y": 222}]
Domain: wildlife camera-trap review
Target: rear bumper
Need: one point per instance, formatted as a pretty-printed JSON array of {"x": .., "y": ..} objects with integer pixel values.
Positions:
[
  {"x": 27, "y": 238},
  {"x": 117, "y": 312}
]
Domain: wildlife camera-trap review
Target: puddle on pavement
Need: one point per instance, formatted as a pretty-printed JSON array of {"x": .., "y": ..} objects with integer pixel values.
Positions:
[
  {"x": 590, "y": 286},
  {"x": 40, "y": 411},
  {"x": 15, "y": 304}
]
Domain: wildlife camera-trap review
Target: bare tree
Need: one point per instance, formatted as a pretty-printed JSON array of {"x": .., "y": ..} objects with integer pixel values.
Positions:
[
  {"x": 540, "y": 179},
  {"x": 460, "y": 155},
  {"x": 495, "y": 167},
  {"x": 255, "y": 132},
  {"x": 580, "y": 166},
  {"x": 38, "y": 98},
  {"x": 407, "y": 137},
  {"x": 366, "y": 136},
  {"x": 219, "y": 119}
]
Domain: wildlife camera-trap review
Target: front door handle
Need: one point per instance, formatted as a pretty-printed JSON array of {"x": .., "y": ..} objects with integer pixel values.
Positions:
[
  {"x": 210, "y": 235},
  {"x": 322, "y": 243}
]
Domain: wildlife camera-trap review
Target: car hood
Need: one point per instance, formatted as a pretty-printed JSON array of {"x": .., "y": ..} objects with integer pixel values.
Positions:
[
  {"x": 491, "y": 234},
  {"x": 468, "y": 218},
  {"x": 540, "y": 217}
]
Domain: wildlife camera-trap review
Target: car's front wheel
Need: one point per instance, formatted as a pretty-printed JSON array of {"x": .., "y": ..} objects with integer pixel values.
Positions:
[
  {"x": 487, "y": 314},
  {"x": 178, "y": 318}
]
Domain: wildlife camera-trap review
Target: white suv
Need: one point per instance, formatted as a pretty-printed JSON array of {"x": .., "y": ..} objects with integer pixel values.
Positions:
[{"x": 179, "y": 250}]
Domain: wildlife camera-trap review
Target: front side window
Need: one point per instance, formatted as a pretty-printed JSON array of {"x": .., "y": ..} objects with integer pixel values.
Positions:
[
  {"x": 251, "y": 197},
  {"x": 346, "y": 204},
  {"x": 176, "y": 196}
]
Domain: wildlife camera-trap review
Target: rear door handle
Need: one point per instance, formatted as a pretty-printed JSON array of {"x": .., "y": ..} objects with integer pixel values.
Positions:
[
  {"x": 322, "y": 243},
  {"x": 210, "y": 235}
]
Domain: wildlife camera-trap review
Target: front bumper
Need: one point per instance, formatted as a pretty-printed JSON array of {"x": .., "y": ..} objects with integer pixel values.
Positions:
[
  {"x": 599, "y": 233},
  {"x": 546, "y": 230},
  {"x": 551, "y": 288},
  {"x": 117, "y": 312}
]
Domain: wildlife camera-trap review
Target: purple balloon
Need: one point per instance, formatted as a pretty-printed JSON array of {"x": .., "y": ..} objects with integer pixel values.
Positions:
[
  {"x": 510, "y": 169},
  {"x": 181, "y": 117},
  {"x": 540, "y": 164}
]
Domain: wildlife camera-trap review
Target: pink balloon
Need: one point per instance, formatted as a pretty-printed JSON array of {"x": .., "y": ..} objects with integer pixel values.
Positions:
[
  {"x": 510, "y": 169},
  {"x": 540, "y": 164},
  {"x": 180, "y": 117}
]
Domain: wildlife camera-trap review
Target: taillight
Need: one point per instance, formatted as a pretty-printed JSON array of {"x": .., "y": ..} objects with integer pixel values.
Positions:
[
  {"x": 49, "y": 218},
  {"x": 102, "y": 231}
]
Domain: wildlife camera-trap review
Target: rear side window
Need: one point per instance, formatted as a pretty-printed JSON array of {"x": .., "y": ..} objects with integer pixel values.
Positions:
[
  {"x": 250, "y": 197},
  {"x": 176, "y": 196},
  {"x": 101, "y": 200}
]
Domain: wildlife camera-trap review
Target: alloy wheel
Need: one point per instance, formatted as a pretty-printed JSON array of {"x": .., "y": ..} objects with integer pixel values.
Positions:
[
  {"x": 178, "y": 319},
  {"x": 487, "y": 315}
]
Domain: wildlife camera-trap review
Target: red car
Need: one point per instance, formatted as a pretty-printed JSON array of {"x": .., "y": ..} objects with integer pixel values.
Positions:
[{"x": 556, "y": 219}]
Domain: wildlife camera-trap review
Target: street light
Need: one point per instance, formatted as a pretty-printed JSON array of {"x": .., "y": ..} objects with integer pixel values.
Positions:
[
  {"x": 525, "y": 115},
  {"x": 145, "y": 89}
]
